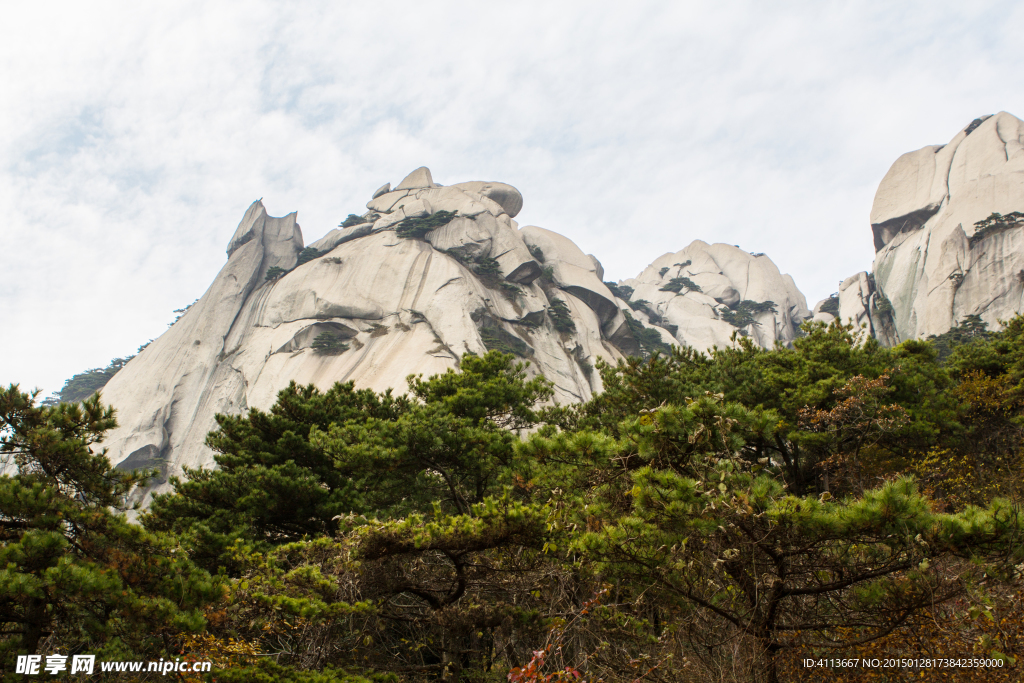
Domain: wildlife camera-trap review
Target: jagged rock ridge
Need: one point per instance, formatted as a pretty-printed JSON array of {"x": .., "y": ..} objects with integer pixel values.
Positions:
[{"x": 427, "y": 274}]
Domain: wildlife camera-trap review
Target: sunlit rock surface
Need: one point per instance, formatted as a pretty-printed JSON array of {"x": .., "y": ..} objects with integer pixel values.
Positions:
[
  {"x": 933, "y": 267},
  {"x": 405, "y": 305}
]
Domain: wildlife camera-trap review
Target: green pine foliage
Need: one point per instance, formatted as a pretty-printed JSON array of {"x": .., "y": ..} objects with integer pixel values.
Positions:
[
  {"x": 796, "y": 383},
  {"x": 560, "y": 316},
  {"x": 457, "y": 255},
  {"x": 621, "y": 291},
  {"x": 991, "y": 354},
  {"x": 639, "y": 304},
  {"x": 327, "y": 344},
  {"x": 320, "y": 456},
  {"x": 743, "y": 313},
  {"x": 882, "y": 304},
  {"x": 84, "y": 384},
  {"x": 647, "y": 338},
  {"x": 417, "y": 228},
  {"x": 831, "y": 305},
  {"x": 497, "y": 339},
  {"x": 76, "y": 575},
  {"x": 677, "y": 284},
  {"x": 972, "y": 328},
  {"x": 488, "y": 271},
  {"x": 705, "y": 516},
  {"x": 292, "y": 488},
  {"x": 308, "y": 254},
  {"x": 275, "y": 272},
  {"x": 995, "y": 224},
  {"x": 351, "y": 221},
  {"x": 718, "y": 537},
  {"x": 181, "y": 312},
  {"x": 583, "y": 361}
]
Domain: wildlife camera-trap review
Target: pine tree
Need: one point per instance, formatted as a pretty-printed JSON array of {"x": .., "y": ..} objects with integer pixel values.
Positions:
[
  {"x": 683, "y": 514},
  {"x": 271, "y": 484},
  {"x": 75, "y": 573}
]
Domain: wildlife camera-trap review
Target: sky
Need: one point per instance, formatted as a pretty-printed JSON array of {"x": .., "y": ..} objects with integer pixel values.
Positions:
[{"x": 133, "y": 136}]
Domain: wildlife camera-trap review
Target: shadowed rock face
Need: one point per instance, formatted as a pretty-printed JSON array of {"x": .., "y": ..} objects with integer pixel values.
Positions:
[
  {"x": 931, "y": 270},
  {"x": 385, "y": 306},
  {"x": 885, "y": 232}
]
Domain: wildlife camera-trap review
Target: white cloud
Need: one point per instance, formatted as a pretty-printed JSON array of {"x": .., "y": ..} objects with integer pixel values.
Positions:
[{"x": 134, "y": 135}]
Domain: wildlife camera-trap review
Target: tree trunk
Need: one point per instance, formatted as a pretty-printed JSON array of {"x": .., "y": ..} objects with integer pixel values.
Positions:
[
  {"x": 35, "y": 622},
  {"x": 451, "y": 666},
  {"x": 771, "y": 669}
]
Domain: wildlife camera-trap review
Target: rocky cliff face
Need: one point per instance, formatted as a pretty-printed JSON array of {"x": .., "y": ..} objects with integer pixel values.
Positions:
[
  {"x": 937, "y": 258},
  {"x": 427, "y": 274},
  {"x": 705, "y": 293}
]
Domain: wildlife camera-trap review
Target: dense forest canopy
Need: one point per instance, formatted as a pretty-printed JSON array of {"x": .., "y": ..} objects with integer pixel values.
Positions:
[{"x": 719, "y": 516}]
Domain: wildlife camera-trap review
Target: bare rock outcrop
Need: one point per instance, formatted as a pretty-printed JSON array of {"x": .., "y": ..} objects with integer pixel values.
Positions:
[
  {"x": 949, "y": 236},
  {"x": 861, "y": 303},
  {"x": 426, "y": 275},
  {"x": 167, "y": 395},
  {"x": 705, "y": 293}
]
